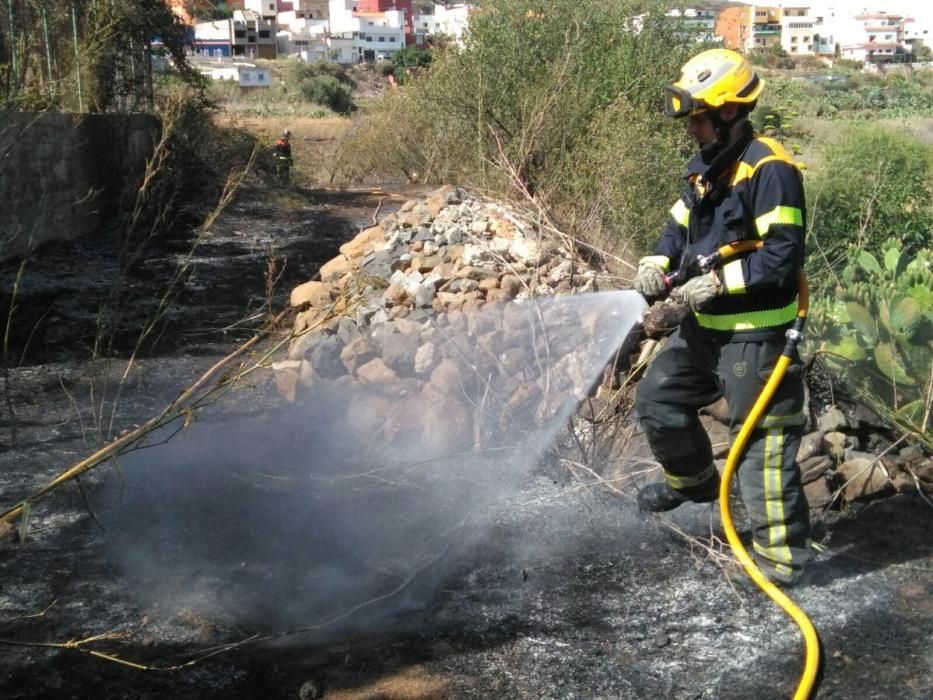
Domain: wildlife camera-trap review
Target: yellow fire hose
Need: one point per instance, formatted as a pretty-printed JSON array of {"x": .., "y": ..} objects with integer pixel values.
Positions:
[{"x": 807, "y": 685}]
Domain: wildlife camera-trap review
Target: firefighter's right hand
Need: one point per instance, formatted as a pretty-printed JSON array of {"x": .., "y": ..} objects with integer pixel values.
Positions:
[{"x": 650, "y": 280}]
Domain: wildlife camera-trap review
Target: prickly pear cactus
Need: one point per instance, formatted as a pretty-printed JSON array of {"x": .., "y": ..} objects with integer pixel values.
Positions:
[{"x": 877, "y": 329}]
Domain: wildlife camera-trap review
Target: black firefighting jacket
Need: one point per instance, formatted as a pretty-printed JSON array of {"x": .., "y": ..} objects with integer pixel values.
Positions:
[{"x": 752, "y": 191}]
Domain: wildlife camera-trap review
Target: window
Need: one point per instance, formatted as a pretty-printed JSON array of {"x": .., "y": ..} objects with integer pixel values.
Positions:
[
  {"x": 382, "y": 39},
  {"x": 793, "y": 40},
  {"x": 263, "y": 33},
  {"x": 793, "y": 49},
  {"x": 393, "y": 39}
]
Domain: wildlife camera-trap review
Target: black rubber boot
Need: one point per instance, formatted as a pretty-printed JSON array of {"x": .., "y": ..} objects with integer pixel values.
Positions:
[{"x": 660, "y": 497}]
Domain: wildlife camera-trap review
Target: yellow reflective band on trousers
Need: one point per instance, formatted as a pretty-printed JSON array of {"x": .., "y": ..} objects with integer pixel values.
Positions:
[
  {"x": 777, "y": 549},
  {"x": 733, "y": 277},
  {"x": 680, "y": 213},
  {"x": 798, "y": 418},
  {"x": 685, "y": 482},
  {"x": 748, "y": 320},
  {"x": 778, "y": 215}
]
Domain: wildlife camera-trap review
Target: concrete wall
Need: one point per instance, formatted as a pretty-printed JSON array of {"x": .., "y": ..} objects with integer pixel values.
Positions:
[{"x": 61, "y": 174}]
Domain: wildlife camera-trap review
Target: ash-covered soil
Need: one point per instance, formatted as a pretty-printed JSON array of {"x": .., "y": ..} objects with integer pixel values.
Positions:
[{"x": 558, "y": 590}]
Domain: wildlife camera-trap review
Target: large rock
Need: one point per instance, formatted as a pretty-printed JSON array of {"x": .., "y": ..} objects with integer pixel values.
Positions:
[
  {"x": 863, "y": 479},
  {"x": 364, "y": 243},
  {"x": 366, "y": 416},
  {"x": 819, "y": 494},
  {"x": 317, "y": 294},
  {"x": 334, "y": 269},
  {"x": 810, "y": 445},
  {"x": 357, "y": 353},
  {"x": 446, "y": 378},
  {"x": 377, "y": 373},
  {"x": 399, "y": 350},
  {"x": 425, "y": 358},
  {"x": 287, "y": 374},
  {"x": 325, "y": 357}
]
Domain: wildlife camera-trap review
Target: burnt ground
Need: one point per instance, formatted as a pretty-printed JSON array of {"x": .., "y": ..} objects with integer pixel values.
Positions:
[{"x": 561, "y": 591}]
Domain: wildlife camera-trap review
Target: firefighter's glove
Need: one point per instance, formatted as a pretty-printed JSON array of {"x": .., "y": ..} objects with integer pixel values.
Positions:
[
  {"x": 699, "y": 291},
  {"x": 649, "y": 280}
]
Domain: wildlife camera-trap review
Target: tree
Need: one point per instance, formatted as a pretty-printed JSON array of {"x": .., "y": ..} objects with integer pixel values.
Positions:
[{"x": 86, "y": 54}]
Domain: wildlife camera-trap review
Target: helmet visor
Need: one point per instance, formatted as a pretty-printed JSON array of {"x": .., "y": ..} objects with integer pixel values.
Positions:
[{"x": 680, "y": 103}]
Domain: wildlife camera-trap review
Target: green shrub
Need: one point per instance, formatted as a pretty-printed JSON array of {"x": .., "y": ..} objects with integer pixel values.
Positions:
[
  {"x": 523, "y": 105},
  {"x": 875, "y": 183},
  {"x": 298, "y": 72},
  {"x": 876, "y": 330},
  {"x": 328, "y": 91}
]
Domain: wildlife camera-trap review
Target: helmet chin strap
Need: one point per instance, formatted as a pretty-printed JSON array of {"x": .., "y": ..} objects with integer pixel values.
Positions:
[{"x": 722, "y": 127}]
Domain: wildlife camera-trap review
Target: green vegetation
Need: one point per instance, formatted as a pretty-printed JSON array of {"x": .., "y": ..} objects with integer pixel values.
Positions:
[
  {"x": 875, "y": 182},
  {"x": 220, "y": 10},
  {"x": 85, "y": 55},
  {"x": 407, "y": 62},
  {"x": 325, "y": 84},
  {"x": 877, "y": 330},
  {"x": 844, "y": 92},
  {"x": 526, "y": 107}
]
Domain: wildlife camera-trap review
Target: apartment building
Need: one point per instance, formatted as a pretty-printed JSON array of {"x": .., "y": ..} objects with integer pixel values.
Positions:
[
  {"x": 443, "y": 20},
  {"x": 766, "y": 27},
  {"x": 735, "y": 26},
  {"x": 364, "y": 35},
  {"x": 370, "y": 7},
  {"x": 875, "y": 37},
  {"x": 267, "y": 9},
  {"x": 798, "y": 31},
  {"x": 247, "y": 34}
]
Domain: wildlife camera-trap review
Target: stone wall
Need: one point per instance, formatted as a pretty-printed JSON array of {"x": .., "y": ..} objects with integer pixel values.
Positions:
[{"x": 61, "y": 174}]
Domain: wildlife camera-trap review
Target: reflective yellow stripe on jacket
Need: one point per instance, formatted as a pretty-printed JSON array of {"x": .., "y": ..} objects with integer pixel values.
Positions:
[
  {"x": 748, "y": 320},
  {"x": 680, "y": 213},
  {"x": 778, "y": 215}
]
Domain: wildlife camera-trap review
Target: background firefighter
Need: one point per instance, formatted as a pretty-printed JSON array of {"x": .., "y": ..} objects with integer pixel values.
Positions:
[
  {"x": 282, "y": 156},
  {"x": 738, "y": 187}
]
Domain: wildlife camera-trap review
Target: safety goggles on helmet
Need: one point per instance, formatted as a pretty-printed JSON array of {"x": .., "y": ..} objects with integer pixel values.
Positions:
[{"x": 680, "y": 103}]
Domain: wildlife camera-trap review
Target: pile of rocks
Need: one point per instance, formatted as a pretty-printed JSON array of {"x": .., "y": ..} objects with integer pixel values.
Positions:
[
  {"x": 396, "y": 311},
  {"x": 413, "y": 305},
  {"x": 842, "y": 457}
]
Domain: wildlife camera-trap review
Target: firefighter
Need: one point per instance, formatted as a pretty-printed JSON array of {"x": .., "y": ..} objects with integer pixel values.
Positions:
[
  {"x": 282, "y": 155},
  {"x": 739, "y": 186}
]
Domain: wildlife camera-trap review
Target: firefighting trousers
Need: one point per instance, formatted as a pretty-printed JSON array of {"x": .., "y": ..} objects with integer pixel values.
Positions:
[{"x": 691, "y": 372}]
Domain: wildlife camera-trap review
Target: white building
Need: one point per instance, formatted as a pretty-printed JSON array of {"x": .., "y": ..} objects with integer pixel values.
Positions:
[
  {"x": 246, "y": 34},
  {"x": 444, "y": 21},
  {"x": 376, "y": 35},
  {"x": 267, "y": 9},
  {"x": 246, "y": 75},
  {"x": 302, "y": 37},
  {"x": 876, "y": 37},
  {"x": 799, "y": 36}
]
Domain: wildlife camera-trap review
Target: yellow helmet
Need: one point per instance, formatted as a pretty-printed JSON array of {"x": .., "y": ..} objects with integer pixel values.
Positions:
[{"x": 711, "y": 79}]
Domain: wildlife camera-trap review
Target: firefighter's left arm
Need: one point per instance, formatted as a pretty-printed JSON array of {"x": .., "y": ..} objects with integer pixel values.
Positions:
[{"x": 779, "y": 213}]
